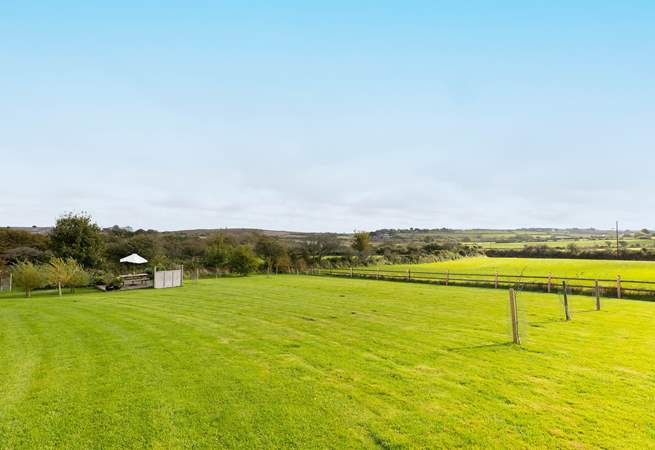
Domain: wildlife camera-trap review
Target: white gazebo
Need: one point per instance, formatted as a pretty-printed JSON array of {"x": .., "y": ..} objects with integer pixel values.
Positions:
[
  {"x": 134, "y": 259},
  {"x": 135, "y": 280}
]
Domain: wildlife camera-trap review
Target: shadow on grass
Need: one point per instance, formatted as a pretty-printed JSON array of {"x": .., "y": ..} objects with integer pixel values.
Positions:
[
  {"x": 477, "y": 347},
  {"x": 547, "y": 322}
]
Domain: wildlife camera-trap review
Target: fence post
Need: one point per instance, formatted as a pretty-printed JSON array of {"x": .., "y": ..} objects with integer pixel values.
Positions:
[
  {"x": 409, "y": 274},
  {"x": 496, "y": 280},
  {"x": 597, "y": 296},
  {"x": 447, "y": 276},
  {"x": 377, "y": 273},
  {"x": 550, "y": 281},
  {"x": 516, "y": 338},
  {"x": 351, "y": 272},
  {"x": 566, "y": 302},
  {"x": 11, "y": 280},
  {"x": 197, "y": 274},
  {"x": 618, "y": 286}
]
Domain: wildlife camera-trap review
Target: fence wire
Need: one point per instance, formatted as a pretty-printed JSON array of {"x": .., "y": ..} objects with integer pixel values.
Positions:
[{"x": 617, "y": 288}]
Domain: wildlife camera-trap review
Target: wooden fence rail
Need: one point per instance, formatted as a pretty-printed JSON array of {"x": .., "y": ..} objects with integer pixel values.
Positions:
[{"x": 617, "y": 287}]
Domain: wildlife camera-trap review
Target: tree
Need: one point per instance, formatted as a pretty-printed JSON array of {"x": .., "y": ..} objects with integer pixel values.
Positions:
[
  {"x": 242, "y": 260},
  {"x": 360, "y": 243},
  {"x": 58, "y": 273},
  {"x": 66, "y": 273},
  {"x": 271, "y": 251},
  {"x": 77, "y": 237},
  {"x": 28, "y": 276},
  {"x": 218, "y": 252},
  {"x": 322, "y": 245}
]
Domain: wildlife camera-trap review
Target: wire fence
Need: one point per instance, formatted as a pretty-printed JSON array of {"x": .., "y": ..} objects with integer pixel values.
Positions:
[{"x": 617, "y": 288}]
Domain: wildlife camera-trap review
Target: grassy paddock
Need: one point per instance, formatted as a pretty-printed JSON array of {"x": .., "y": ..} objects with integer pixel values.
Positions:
[
  {"x": 585, "y": 268},
  {"x": 581, "y": 268},
  {"x": 293, "y": 361}
]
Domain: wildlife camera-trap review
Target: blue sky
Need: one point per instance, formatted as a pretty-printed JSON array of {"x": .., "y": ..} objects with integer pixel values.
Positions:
[{"x": 328, "y": 115}]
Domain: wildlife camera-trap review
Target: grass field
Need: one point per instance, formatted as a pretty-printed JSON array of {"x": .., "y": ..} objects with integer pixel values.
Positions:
[
  {"x": 582, "y": 268},
  {"x": 635, "y": 244},
  {"x": 312, "y": 362}
]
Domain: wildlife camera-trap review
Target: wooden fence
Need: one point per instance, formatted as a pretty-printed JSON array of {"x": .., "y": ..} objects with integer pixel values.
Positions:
[{"x": 617, "y": 287}]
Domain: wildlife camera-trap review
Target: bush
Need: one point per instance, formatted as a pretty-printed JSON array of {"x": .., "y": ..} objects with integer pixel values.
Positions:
[
  {"x": 107, "y": 279},
  {"x": 79, "y": 276}
]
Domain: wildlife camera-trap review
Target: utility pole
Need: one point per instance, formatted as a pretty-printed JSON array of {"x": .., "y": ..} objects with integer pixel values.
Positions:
[{"x": 617, "y": 239}]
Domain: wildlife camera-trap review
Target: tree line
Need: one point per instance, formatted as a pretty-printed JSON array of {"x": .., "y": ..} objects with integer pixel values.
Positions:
[{"x": 78, "y": 252}]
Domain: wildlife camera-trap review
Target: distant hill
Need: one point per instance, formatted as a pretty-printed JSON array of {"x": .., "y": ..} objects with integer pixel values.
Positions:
[{"x": 33, "y": 229}]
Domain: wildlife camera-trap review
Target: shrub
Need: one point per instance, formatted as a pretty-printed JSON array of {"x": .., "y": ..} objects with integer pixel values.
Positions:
[{"x": 78, "y": 276}]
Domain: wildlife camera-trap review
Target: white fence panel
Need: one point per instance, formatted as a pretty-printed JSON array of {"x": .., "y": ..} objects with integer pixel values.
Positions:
[
  {"x": 5, "y": 282},
  {"x": 168, "y": 279}
]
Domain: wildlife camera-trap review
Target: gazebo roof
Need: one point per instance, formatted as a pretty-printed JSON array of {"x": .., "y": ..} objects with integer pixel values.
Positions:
[{"x": 134, "y": 259}]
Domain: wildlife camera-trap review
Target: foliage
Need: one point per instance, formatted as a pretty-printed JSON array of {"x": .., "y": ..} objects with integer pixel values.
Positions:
[
  {"x": 77, "y": 237},
  {"x": 242, "y": 260},
  {"x": 272, "y": 251},
  {"x": 218, "y": 252},
  {"x": 58, "y": 273},
  {"x": 17, "y": 254},
  {"x": 79, "y": 276},
  {"x": 108, "y": 279},
  {"x": 161, "y": 262},
  {"x": 361, "y": 242},
  {"x": 147, "y": 245},
  {"x": 28, "y": 276},
  {"x": 313, "y": 250},
  {"x": 67, "y": 273},
  {"x": 11, "y": 238}
]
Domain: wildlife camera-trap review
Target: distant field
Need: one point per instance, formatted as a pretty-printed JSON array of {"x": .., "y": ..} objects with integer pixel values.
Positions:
[
  {"x": 318, "y": 362},
  {"x": 584, "y": 268},
  {"x": 563, "y": 244},
  {"x": 542, "y": 267}
]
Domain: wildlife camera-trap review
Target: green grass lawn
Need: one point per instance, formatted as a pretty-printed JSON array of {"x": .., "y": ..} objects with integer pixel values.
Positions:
[{"x": 319, "y": 362}]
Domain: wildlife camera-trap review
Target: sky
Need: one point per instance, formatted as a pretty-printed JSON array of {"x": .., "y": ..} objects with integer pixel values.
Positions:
[{"x": 328, "y": 116}]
